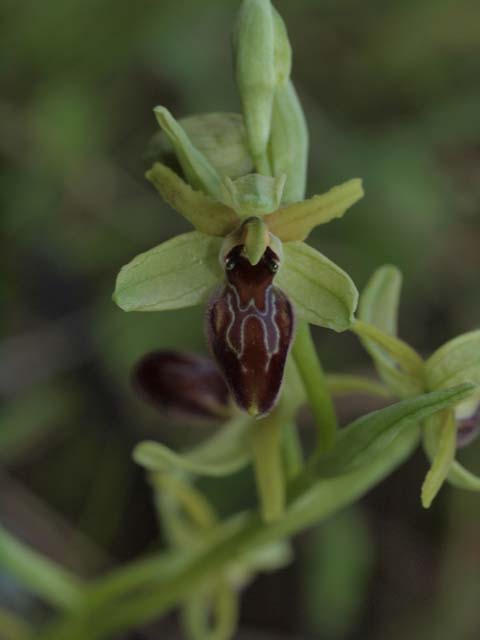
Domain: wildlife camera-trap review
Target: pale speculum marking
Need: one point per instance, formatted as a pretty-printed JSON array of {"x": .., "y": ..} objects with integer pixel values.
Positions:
[{"x": 240, "y": 316}]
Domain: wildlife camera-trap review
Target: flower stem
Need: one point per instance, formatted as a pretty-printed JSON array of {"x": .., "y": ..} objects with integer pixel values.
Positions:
[
  {"x": 265, "y": 438},
  {"x": 316, "y": 388},
  {"x": 292, "y": 450}
]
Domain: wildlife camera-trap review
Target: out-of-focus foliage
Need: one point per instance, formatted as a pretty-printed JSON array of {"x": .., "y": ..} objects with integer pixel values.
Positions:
[{"x": 391, "y": 94}]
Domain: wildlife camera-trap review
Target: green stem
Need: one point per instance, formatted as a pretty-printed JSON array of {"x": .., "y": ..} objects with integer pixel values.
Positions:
[
  {"x": 316, "y": 388},
  {"x": 267, "y": 459},
  {"x": 40, "y": 574},
  {"x": 292, "y": 450}
]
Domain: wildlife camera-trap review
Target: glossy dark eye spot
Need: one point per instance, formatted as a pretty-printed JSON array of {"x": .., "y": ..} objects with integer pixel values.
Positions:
[{"x": 272, "y": 264}]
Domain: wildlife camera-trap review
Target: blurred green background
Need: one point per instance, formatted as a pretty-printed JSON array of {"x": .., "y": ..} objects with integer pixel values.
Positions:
[{"x": 392, "y": 94}]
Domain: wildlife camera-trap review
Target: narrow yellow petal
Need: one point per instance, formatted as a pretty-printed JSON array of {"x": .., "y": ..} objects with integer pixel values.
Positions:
[
  {"x": 205, "y": 214},
  {"x": 295, "y": 222}
]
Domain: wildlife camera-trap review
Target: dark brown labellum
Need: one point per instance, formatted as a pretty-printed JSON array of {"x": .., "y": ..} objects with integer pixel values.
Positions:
[
  {"x": 183, "y": 385},
  {"x": 250, "y": 325}
]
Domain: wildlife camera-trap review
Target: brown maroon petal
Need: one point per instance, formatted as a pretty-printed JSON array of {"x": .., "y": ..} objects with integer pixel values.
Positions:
[
  {"x": 183, "y": 385},
  {"x": 250, "y": 325}
]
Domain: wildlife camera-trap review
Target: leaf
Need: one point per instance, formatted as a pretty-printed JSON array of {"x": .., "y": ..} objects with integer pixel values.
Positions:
[
  {"x": 43, "y": 577},
  {"x": 378, "y": 307},
  {"x": 296, "y": 221},
  {"x": 288, "y": 144},
  {"x": 456, "y": 361},
  {"x": 370, "y": 435},
  {"x": 224, "y": 453},
  {"x": 444, "y": 433},
  {"x": 200, "y": 173},
  {"x": 178, "y": 273},
  {"x": 323, "y": 294},
  {"x": 205, "y": 214}
]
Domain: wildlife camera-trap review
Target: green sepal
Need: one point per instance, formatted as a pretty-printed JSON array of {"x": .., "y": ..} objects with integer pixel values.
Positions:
[
  {"x": 256, "y": 75},
  {"x": 441, "y": 429},
  {"x": 458, "y": 476},
  {"x": 205, "y": 214},
  {"x": 380, "y": 299},
  {"x": 200, "y": 173},
  {"x": 288, "y": 144},
  {"x": 402, "y": 354},
  {"x": 323, "y": 294},
  {"x": 222, "y": 454},
  {"x": 254, "y": 194},
  {"x": 378, "y": 307},
  {"x": 220, "y": 136},
  {"x": 456, "y": 361},
  {"x": 296, "y": 221},
  {"x": 368, "y": 436},
  {"x": 178, "y": 273}
]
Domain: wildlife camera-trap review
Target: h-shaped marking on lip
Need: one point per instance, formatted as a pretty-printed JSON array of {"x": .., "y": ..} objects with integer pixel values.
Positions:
[{"x": 251, "y": 311}]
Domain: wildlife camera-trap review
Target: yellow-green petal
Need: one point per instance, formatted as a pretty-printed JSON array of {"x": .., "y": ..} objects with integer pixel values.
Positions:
[
  {"x": 205, "y": 214},
  {"x": 296, "y": 221}
]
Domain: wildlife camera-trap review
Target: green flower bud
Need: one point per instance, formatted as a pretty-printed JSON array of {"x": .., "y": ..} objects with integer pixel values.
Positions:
[
  {"x": 288, "y": 146},
  {"x": 254, "y": 46},
  {"x": 221, "y": 137},
  {"x": 282, "y": 51}
]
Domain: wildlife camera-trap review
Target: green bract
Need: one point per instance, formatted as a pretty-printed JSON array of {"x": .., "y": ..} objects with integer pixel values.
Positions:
[{"x": 406, "y": 374}]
